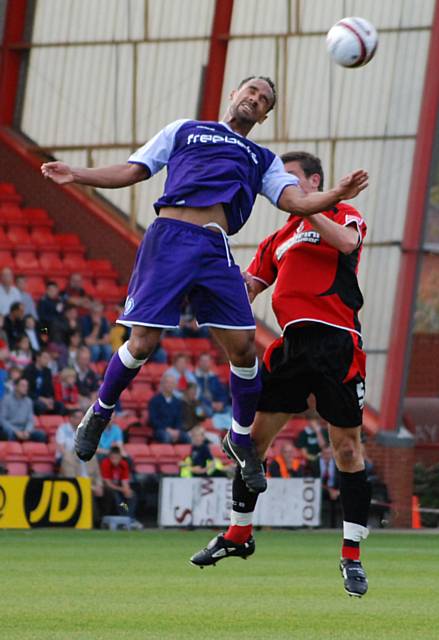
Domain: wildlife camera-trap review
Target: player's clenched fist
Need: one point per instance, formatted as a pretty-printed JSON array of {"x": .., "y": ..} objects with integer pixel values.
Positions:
[
  {"x": 58, "y": 172},
  {"x": 351, "y": 185}
]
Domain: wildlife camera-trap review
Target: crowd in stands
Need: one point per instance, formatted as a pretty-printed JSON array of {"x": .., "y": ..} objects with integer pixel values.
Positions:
[{"x": 53, "y": 352}]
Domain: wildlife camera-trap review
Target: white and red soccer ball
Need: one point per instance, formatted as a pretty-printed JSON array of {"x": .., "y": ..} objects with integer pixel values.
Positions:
[{"x": 352, "y": 42}]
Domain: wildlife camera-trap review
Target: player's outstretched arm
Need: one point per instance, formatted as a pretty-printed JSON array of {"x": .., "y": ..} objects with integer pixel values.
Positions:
[
  {"x": 294, "y": 200},
  {"x": 343, "y": 238},
  {"x": 112, "y": 177}
]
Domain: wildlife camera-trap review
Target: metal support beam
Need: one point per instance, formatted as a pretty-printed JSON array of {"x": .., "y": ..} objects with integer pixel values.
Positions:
[
  {"x": 401, "y": 338},
  {"x": 214, "y": 77},
  {"x": 15, "y": 21}
]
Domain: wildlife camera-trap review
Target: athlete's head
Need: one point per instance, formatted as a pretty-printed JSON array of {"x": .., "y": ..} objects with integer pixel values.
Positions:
[
  {"x": 306, "y": 167},
  {"x": 252, "y": 100}
]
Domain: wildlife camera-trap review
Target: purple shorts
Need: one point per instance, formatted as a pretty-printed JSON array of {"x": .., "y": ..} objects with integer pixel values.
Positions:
[{"x": 178, "y": 260}]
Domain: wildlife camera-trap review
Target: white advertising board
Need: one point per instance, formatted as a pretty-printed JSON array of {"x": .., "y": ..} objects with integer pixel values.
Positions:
[{"x": 207, "y": 502}]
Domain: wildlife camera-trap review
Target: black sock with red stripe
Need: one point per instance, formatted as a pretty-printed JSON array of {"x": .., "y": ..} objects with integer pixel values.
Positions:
[{"x": 355, "y": 495}]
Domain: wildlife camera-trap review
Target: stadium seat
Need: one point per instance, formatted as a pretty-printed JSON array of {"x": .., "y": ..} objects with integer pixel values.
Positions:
[
  {"x": 52, "y": 264},
  {"x": 173, "y": 346},
  {"x": 139, "y": 451},
  {"x": 75, "y": 263},
  {"x": 152, "y": 372},
  {"x": 11, "y": 454},
  {"x": 164, "y": 453},
  {"x": 11, "y": 214},
  {"x": 196, "y": 346},
  {"x": 70, "y": 243},
  {"x": 102, "y": 268},
  {"x": 37, "y": 218},
  {"x": 61, "y": 281},
  {"x": 27, "y": 263},
  {"x": 139, "y": 434},
  {"x": 40, "y": 459},
  {"x": 50, "y": 423},
  {"x": 110, "y": 292},
  {"x": 20, "y": 237},
  {"x": 223, "y": 372},
  {"x": 35, "y": 286},
  {"x": 5, "y": 243},
  {"x": 169, "y": 469},
  {"x": 44, "y": 239},
  {"x": 182, "y": 450},
  {"x": 6, "y": 260},
  {"x": 8, "y": 193}
]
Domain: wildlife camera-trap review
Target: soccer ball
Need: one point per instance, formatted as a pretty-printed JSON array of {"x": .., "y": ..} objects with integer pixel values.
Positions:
[{"x": 352, "y": 42}]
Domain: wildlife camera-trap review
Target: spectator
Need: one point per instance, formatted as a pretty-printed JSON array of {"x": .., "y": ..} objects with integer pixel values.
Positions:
[
  {"x": 74, "y": 294},
  {"x": 86, "y": 379},
  {"x": 41, "y": 388},
  {"x": 51, "y": 306},
  {"x": 66, "y": 390},
  {"x": 188, "y": 325},
  {"x": 21, "y": 356},
  {"x": 3, "y": 334},
  {"x": 73, "y": 345},
  {"x": 331, "y": 511},
  {"x": 193, "y": 410},
  {"x": 71, "y": 466},
  {"x": 311, "y": 440},
  {"x": 14, "y": 374},
  {"x": 25, "y": 297},
  {"x": 111, "y": 437},
  {"x": 9, "y": 294},
  {"x": 63, "y": 325},
  {"x": 182, "y": 374},
  {"x": 14, "y": 324},
  {"x": 33, "y": 333},
  {"x": 96, "y": 333},
  {"x": 116, "y": 475},
  {"x": 58, "y": 357},
  {"x": 213, "y": 395},
  {"x": 200, "y": 462},
  {"x": 17, "y": 416},
  {"x": 4, "y": 357},
  {"x": 289, "y": 463},
  {"x": 166, "y": 413}
]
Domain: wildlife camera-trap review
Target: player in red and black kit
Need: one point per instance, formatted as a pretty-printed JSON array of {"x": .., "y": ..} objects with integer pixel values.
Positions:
[{"x": 316, "y": 300}]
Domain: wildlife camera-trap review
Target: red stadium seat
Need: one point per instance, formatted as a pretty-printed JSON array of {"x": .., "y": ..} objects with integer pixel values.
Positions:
[
  {"x": 152, "y": 372},
  {"x": 5, "y": 243},
  {"x": 40, "y": 459},
  {"x": 196, "y": 346},
  {"x": 11, "y": 214},
  {"x": 37, "y": 218},
  {"x": 50, "y": 423},
  {"x": 8, "y": 193},
  {"x": 35, "y": 286},
  {"x": 52, "y": 264},
  {"x": 110, "y": 292},
  {"x": 75, "y": 263},
  {"x": 102, "y": 268},
  {"x": 27, "y": 263},
  {"x": 61, "y": 281},
  {"x": 139, "y": 434},
  {"x": 164, "y": 453},
  {"x": 172, "y": 346},
  {"x": 44, "y": 239},
  {"x": 169, "y": 469},
  {"x": 20, "y": 238},
  {"x": 70, "y": 243},
  {"x": 6, "y": 260},
  {"x": 182, "y": 450},
  {"x": 12, "y": 455}
]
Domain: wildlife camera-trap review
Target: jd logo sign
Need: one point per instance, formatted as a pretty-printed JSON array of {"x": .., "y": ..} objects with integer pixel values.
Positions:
[
  {"x": 38, "y": 502},
  {"x": 53, "y": 503}
]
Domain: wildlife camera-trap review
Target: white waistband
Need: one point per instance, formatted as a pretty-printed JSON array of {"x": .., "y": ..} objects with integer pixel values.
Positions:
[{"x": 225, "y": 238}]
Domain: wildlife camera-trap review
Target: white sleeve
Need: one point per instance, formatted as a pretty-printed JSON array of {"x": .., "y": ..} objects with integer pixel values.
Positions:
[
  {"x": 155, "y": 153},
  {"x": 275, "y": 180}
]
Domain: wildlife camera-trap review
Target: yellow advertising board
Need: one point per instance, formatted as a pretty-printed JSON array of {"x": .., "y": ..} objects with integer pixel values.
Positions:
[{"x": 26, "y": 503}]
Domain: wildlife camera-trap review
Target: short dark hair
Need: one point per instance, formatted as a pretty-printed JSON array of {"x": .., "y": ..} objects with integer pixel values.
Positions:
[
  {"x": 52, "y": 283},
  {"x": 310, "y": 164},
  {"x": 115, "y": 449},
  {"x": 266, "y": 79},
  {"x": 14, "y": 306}
]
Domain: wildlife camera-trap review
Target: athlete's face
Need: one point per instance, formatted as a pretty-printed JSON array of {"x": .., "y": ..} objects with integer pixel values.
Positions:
[
  {"x": 308, "y": 184},
  {"x": 252, "y": 101}
]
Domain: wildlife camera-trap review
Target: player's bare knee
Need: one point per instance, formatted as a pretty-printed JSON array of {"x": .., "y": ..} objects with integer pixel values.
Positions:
[
  {"x": 141, "y": 345},
  {"x": 243, "y": 354}
]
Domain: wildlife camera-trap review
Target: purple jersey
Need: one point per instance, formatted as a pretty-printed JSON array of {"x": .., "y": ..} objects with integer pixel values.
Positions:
[{"x": 209, "y": 163}]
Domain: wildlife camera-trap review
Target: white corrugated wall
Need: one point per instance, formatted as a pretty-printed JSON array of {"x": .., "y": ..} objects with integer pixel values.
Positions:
[{"x": 105, "y": 75}]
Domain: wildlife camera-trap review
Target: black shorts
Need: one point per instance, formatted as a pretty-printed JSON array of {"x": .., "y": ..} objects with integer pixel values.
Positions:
[{"x": 320, "y": 360}]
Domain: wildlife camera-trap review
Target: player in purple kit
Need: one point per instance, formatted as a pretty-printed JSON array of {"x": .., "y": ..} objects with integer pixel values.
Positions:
[{"x": 214, "y": 176}]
